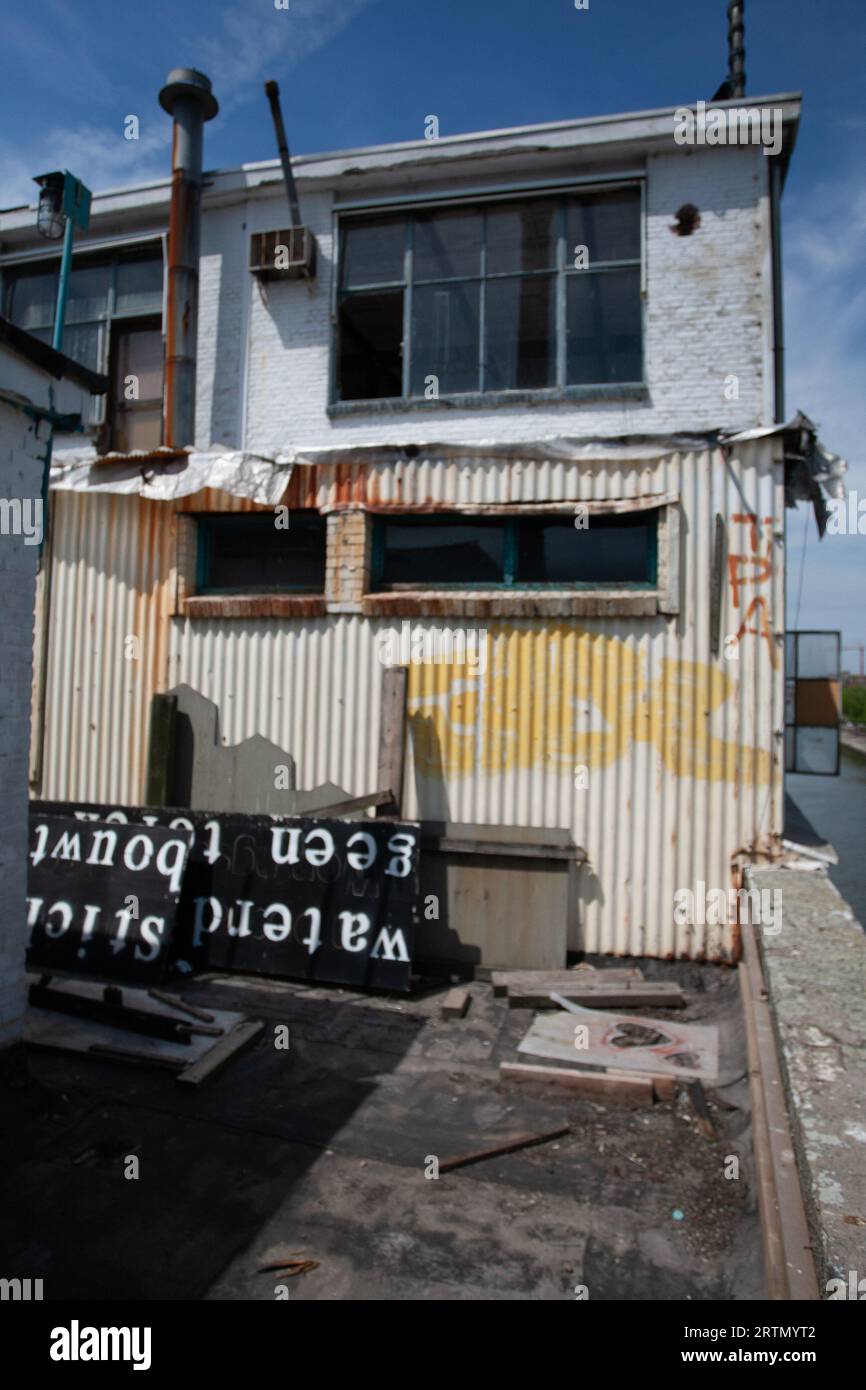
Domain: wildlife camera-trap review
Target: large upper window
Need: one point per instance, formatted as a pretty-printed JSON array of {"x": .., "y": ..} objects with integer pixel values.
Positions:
[
  {"x": 113, "y": 324},
  {"x": 531, "y": 295},
  {"x": 449, "y": 551}
]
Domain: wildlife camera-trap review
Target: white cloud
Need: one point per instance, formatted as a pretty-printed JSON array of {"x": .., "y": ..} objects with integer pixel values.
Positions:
[
  {"x": 100, "y": 157},
  {"x": 254, "y": 43}
]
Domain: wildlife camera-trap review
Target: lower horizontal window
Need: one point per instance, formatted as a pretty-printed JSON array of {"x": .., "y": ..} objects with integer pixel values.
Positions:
[
  {"x": 250, "y": 554},
  {"x": 577, "y": 551}
]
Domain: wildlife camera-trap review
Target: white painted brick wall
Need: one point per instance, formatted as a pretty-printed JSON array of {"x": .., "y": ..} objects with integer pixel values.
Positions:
[
  {"x": 22, "y": 446},
  {"x": 707, "y": 309}
]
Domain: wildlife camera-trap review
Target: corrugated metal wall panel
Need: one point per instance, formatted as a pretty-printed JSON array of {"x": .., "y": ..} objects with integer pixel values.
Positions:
[
  {"x": 680, "y": 748},
  {"x": 108, "y": 652}
]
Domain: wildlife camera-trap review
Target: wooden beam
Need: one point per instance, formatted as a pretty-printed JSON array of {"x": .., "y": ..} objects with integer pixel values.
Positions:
[
  {"x": 219, "y": 1054},
  {"x": 629, "y": 1088},
  {"x": 392, "y": 738},
  {"x": 504, "y": 980},
  {"x": 789, "y": 1262},
  {"x": 627, "y": 995}
]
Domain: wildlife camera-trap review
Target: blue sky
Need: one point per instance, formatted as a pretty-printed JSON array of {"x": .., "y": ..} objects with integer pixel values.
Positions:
[{"x": 358, "y": 72}]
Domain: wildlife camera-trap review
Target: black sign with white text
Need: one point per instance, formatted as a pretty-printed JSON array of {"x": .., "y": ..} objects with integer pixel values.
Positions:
[
  {"x": 328, "y": 900},
  {"x": 102, "y": 898}
]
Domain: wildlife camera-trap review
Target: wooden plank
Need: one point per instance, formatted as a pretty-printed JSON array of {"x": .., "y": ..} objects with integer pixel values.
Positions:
[
  {"x": 175, "y": 1002},
  {"x": 506, "y": 1146},
  {"x": 626, "y": 1087},
  {"x": 221, "y": 1053},
  {"x": 392, "y": 738},
  {"x": 768, "y": 1206},
  {"x": 630, "y": 994},
  {"x": 456, "y": 1003},
  {"x": 504, "y": 980},
  {"x": 798, "y": 1271}
]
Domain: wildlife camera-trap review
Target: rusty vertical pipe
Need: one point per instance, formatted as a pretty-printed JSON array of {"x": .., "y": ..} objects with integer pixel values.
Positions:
[
  {"x": 736, "y": 47},
  {"x": 188, "y": 99}
]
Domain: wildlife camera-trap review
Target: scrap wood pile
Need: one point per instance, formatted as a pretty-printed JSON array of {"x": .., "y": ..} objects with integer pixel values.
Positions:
[{"x": 601, "y": 1054}]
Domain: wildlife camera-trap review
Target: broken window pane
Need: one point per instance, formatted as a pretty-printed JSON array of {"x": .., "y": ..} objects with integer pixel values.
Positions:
[
  {"x": 438, "y": 552},
  {"x": 521, "y": 236},
  {"x": 373, "y": 251},
  {"x": 603, "y": 327},
  {"x": 447, "y": 245},
  {"x": 445, "y": 337},
  {"x": 520, "y": 333},
  {"x": 607, "y": 224},
  {"x": 371, "y": 333}
]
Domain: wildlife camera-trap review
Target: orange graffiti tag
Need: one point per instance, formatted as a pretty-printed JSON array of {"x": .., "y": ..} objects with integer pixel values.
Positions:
[{"x": 754, "y": 569}]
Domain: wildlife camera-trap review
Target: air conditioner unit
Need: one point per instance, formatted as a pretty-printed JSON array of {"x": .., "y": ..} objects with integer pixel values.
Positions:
[{"x": 284, "y": 255}]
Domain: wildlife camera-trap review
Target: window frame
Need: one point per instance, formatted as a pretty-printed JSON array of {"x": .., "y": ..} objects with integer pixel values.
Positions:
[
  {"x": 150, "y": 248},
  {"x": 482, "y": 201},
  {"x": 207, "y": 523},
  {"x": 510, "y": 584},
  {"x": 118, "y": 408}
]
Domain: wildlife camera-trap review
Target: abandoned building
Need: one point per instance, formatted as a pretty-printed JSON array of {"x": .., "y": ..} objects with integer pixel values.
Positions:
[
  {"x": 524, "y": 385},
  {"x": 429, "y": 543}
]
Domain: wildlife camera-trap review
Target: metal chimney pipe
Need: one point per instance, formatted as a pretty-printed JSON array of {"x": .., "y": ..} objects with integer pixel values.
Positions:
[
  {"x": 736, "y": 47},
  {"x": 188, "y": 99}
]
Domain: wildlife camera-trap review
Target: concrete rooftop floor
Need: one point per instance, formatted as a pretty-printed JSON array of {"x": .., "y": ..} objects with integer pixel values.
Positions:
[{"x": 321, "y": 1149}]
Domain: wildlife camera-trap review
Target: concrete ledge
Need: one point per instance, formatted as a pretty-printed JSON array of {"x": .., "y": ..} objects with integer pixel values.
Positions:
[{"x": 815, "y": 970}]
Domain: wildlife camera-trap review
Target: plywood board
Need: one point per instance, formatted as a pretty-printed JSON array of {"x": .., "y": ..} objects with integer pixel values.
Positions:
[{"x": 553, "y": 1035}]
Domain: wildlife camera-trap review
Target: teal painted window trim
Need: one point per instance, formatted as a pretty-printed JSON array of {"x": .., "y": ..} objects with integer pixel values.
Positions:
[{"x": 510, "y": 580}]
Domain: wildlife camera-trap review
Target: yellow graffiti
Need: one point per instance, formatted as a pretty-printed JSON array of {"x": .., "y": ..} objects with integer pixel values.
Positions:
[{"x": 557, "y": 697}]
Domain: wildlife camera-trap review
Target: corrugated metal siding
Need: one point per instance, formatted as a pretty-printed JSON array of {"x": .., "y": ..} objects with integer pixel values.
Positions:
[
  {"x": 108, "y": 649},
  {"x": 680, "y": 748}
]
